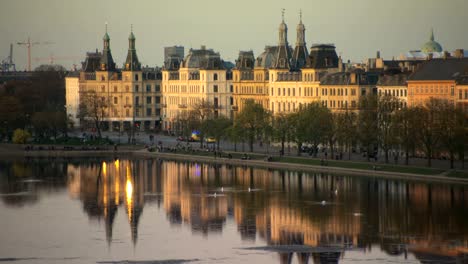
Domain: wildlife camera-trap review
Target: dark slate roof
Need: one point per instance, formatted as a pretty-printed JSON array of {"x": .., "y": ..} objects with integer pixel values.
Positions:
[
  {"x": 300, "y": 55},
  {"x": 245, "y": 61},
  {"x": 172, "y": 63},
  {"x": 107, "y": 60},
  {"x": 392, "y": 80},
  {"x": 344, "y": 78},
  {"x": 440, "y": 69},
  {"x": 283, "y": 58},
  {"x": 322, "y": 56},
  {"x": 92, "y": 61},
  {"x": 463, "y": 80},
  {"x": 267, "y": 58},
  {"x": 203, "y": 59}
]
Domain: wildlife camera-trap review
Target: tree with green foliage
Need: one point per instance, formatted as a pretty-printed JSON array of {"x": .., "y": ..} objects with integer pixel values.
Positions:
[
  {"x": 406, "y": 130},
  {"x": 217, "y": 128},
  {"x": 368, "y": 123},
  {"x": 346, "y": 130},
  {"x": 452, "y": 132},
  {"x": 387, "y": 123},
  {"x": 282, "y": 128},
  {"x": 429, "y": 127},
  {"x": 254, "y": 119}
]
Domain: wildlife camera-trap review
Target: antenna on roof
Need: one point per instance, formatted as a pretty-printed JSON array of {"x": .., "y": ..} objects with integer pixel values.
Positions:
[
  {"x": 106, "y": 26},
  {"x": 282, "y": 13}
]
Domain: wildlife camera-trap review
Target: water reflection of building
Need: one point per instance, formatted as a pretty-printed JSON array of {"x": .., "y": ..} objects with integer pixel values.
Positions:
[
  {"x": 104, "y": 187},
  {"x": 282, "y": 208}
]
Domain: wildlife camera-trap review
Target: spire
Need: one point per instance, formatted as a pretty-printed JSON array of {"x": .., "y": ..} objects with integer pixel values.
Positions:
[
  {"x": 300, "y": 30},
  {"x": 132, "y": 63},
  {"x": 283, "y": 31},
  {"x": 300, "y": 53},
  {"x": 107, "y": 62},
  {"x": 432, "y": 34},
  {"x": 283, "y": 55}
]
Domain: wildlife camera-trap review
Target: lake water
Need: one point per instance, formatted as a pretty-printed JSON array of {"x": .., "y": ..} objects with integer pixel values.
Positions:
[{"x": 150, "y": 211}]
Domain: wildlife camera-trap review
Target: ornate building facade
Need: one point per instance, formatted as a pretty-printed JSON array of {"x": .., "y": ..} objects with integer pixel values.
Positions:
[{"x": 130, "y": 96}]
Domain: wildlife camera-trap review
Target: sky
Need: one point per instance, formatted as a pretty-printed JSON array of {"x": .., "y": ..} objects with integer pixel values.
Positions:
[{"x": 358, "y": 28}]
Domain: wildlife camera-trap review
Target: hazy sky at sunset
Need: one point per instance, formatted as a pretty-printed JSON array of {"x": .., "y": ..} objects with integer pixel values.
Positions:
[{"x": 358, "y": 28}]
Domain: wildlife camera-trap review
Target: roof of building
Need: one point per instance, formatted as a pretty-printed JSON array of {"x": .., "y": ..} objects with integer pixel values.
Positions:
[
  {"x": 393, "y": 80},
  {"x": 245, "y": 61},
  {"x": 440, "y": 69},
  {"x": 92, "y": 61},
  {"x": 322, "y": 56},
  {"x": 203, "y": 59},
  {"x": 431, "y": 45},
  {"x": 346, "y": 78},
  {"x": 267, "y": 58}
]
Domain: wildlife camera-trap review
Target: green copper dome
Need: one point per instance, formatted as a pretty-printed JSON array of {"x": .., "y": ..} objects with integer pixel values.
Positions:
[
  {"x": 106, "y": 37},
  {"x": 431, "y": 45}
]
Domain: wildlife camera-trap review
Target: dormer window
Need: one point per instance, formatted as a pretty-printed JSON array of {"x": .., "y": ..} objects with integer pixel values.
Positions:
[
  {"x": 103, "y": 78},
  {"x": 103, "y": 66}
]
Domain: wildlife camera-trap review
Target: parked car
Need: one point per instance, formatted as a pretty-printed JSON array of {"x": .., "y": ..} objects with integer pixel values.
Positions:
[{"x": 210, "y": 140}]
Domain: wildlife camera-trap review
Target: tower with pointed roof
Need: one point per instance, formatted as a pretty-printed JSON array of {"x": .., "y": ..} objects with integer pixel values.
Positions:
[
  {"x": 132, "y": 63},
  {"x": 107, "y": 62},
  {"x": 300, "y": 53},
  {"x": 283, "y": 56}
]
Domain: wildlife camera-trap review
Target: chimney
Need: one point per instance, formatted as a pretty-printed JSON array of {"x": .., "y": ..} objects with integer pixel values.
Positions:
[
  {"x": 340, "y": 64},
  {"x": 459, "y": 53},
  {"x": 353, "y": 78},
  {"x": 446, "y": 55},
  {"x": 429, "y": 56},
  {"x": 203, "y": 47},
  {"x": 378, "y": 54}
]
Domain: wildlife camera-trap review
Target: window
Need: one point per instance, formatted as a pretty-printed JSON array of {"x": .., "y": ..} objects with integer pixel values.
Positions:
[
  {"x": 215, "y": 76},
  {"x": 231, "y": 100},
  {"x": 353, "y": 103},
  {"x": 102, "y": 77},
  {"x": 115, "y": 89},
  {"x": 284, "y": 91},
  {"x": 148, "y": 111},
  {"x": 289, "y": 91},
  {"x": 148, "y": 99},
  {"x": 127, "y": 88},
  {"x": 127, "y": 112},
  {"x": 137, "y": 100},
  {"x": 137, "y": 88},
  {"x": 157, "y": 100},
  {"x": 158, "y": 112},
  {"x": 136, "y": 77},
  {"x": 116, "y": 100},
  {"x": 452, "y": 90},
  {"x": 215, "y": 88},
  {"x": 294, "y": 91},
  {"x": 230, "y": 88},
  {"x": 460, "y": 94},
  {"x": 126, "y": 100},
  {"x": 363, "y": 91},
  {"x": 157, "y": 88},
  {"x": 148, "y": 88}
]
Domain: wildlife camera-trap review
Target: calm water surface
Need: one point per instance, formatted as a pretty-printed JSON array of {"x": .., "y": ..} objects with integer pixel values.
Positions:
[{"x": 147, "y": 210}]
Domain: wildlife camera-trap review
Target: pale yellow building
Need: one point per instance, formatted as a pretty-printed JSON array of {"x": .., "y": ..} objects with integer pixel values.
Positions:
[
  {"x": 132, "y": 95},
  {"x": 72, "y": 98},
  {"x": 200, "y": 78}
]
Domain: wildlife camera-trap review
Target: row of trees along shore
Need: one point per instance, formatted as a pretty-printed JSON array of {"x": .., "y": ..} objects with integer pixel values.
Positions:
[{"x": 436, "y": 129}]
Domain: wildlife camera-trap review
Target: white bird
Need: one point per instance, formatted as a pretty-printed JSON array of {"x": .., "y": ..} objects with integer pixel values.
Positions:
[
  {"x": 324, "y": 202},
  {"x": 222, "y": 189},
  {"x": 336, "y": 191},
  {"x": 215, "y": 195},
  {"x": 249, "y": 189}
]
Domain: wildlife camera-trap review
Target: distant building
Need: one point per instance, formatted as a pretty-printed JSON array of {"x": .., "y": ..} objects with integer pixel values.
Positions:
[
  {"x": 394, "y": 85},
  {"x": 440, "y": 78},
  {"x": 174, "y": 51}
]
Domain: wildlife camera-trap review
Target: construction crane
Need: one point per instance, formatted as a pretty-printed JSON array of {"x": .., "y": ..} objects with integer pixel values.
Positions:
[
  {"x": 29, "y": 44},
  {"x": 7, "y": 63}
]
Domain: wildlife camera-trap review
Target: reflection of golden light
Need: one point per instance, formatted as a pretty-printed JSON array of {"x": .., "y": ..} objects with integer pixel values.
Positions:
[
  {"x": 129, "y": 194},
  {"x": 117, "y": 189},
  {"x": 104, "y": 168},
  {"x": 116, "y": 163}
]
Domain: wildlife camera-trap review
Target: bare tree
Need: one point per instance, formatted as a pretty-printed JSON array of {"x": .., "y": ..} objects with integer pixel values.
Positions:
[{"x": 94, "y": 108}]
